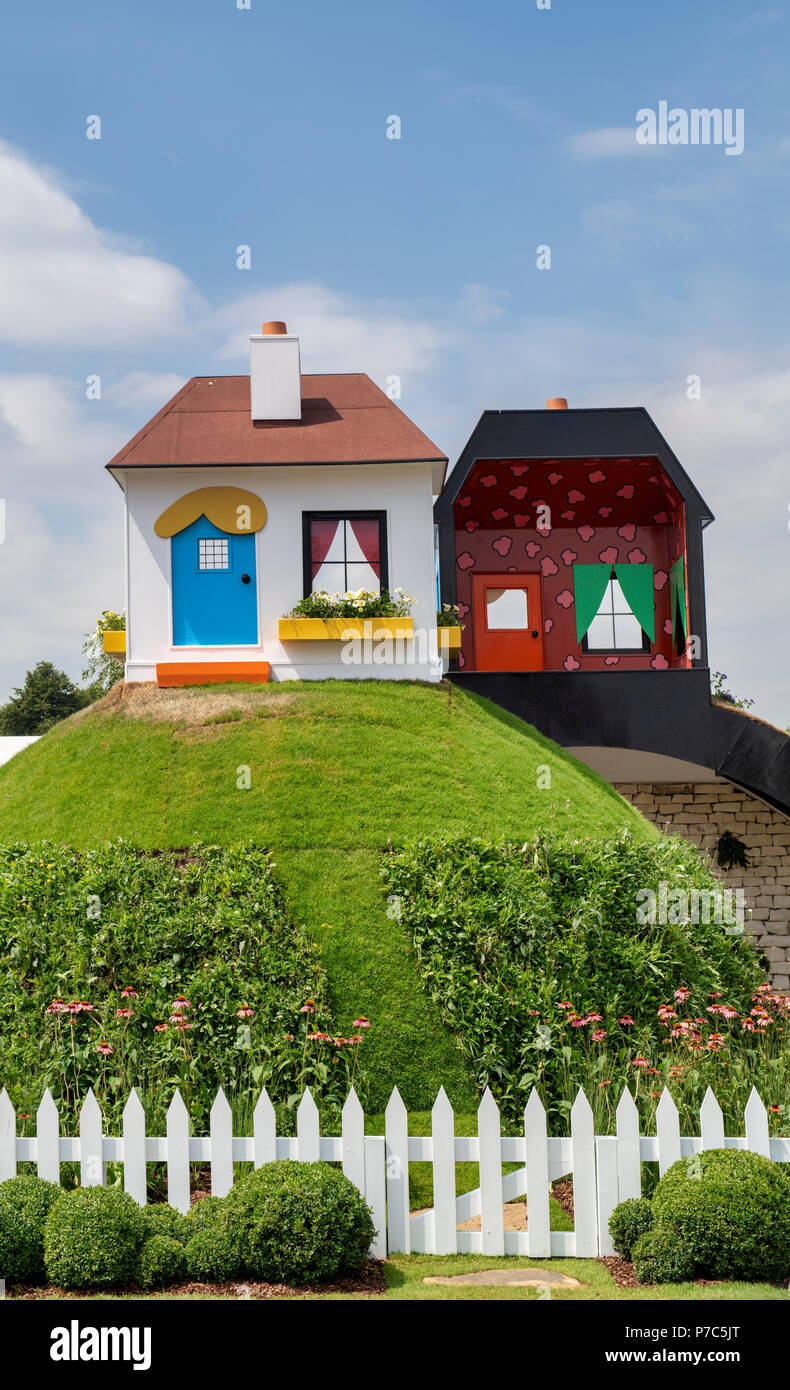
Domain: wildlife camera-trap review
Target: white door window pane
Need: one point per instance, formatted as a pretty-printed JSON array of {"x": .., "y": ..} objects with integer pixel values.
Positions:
[{"x": 506, "y": 609}]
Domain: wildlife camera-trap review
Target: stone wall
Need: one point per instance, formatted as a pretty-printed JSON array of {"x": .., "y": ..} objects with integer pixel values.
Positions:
[{"x": 701, "y": 812}]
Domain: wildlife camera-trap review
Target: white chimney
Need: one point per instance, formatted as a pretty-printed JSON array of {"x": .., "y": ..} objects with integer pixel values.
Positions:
[{"x": 275, "y": 374}]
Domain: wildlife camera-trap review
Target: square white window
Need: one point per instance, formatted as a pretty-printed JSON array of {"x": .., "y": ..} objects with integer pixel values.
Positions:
[
  {"x": 213, "y": 553},
  {"x": 506, "y": 609},
  {"x": 614, "y": 627}
]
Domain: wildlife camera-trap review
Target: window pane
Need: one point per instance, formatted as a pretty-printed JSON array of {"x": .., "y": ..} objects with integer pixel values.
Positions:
[
  {"x": 363, "y": 576},
  {"x": 600, "y": 635},
  {"x": 362, "y": 540},
  {"x": 213, "y": 553},
  {"x": 628, "y": 632},
  {"x": 619, "y": 600},
  {"x": 506, "y": 608},
  {"x": 330, "y": 579}
]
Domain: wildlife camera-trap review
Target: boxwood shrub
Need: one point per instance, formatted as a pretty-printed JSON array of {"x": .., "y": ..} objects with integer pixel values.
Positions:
[
  {"x": 162, "y": 1261},
  {"x": 92, "y": 1238},
  {"x": 297, "y": 1223},
  {"x": 629, "y": 1221},
  {"x": 210, "y": 1255},
  {"x": 662, "y": 1257},
  {"x": 31, "y": 1198},
  {"x": 730, "y": 1210},
  {"x": 163, "y": 1220},
  {"x": 203, "y": 1213},
  {"x": 20, "y": 1249}
]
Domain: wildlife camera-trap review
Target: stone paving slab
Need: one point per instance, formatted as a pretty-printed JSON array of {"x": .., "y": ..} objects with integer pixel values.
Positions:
[{"x": 510, "y": 1278}]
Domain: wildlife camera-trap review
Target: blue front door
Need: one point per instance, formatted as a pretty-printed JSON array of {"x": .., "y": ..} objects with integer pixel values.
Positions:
[{"x": 215, "y": 593}]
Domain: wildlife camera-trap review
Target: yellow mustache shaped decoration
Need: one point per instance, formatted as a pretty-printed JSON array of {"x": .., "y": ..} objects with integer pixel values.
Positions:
[{"x": 230, "y": 508}]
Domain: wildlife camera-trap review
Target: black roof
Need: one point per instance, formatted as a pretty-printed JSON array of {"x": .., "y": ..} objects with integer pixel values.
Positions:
[{"x": 617, "y": 432}]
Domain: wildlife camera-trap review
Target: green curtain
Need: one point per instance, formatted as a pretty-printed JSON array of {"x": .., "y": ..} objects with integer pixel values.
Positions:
[
  {"x": 589, "y": 587},
  {"x": 677, "y": 595},
  {"x": 636, "y": 582}
]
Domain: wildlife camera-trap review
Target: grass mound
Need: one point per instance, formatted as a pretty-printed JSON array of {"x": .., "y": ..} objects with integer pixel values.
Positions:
[{"x": 324, "y": 774}]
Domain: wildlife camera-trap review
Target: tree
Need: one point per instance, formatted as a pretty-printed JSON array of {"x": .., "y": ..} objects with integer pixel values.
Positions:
[{"x": 47, "y": 696}]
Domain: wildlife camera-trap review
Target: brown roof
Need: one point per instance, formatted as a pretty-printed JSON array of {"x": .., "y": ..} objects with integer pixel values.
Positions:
[{"x": 345, "y": 419}]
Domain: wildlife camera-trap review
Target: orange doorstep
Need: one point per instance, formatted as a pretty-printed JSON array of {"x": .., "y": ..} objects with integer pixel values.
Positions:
[{"x": 211, "y": 672}]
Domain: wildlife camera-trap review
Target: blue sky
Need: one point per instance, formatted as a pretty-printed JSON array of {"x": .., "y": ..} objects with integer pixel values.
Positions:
[{"x": 267, "y": 127}]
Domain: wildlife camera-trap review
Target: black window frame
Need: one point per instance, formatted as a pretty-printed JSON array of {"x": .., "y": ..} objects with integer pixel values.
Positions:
[
  {"x": 646, "y": 646},
  {"x": 307, "y": 562}
]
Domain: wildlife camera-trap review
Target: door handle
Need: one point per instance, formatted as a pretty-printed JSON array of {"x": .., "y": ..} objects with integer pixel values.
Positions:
[
  {"x": 535, "y": 632},
  {"x": 245, "y": 579}
]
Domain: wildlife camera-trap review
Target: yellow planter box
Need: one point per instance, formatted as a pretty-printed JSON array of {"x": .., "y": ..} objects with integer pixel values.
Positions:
[
  {"x": 342, "y": 629},
  {"x": 114, "y": 643},
  {"x": 449, "y": 639}
]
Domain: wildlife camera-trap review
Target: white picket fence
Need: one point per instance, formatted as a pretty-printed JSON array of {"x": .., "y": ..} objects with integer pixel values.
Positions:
[{"x": 605, "y": 1169}]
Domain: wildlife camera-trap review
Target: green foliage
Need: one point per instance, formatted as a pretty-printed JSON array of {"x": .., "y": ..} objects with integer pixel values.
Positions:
[
  {"x": 20, "y": 1247},
  {"x": 202, "y": 1214},
  {"x": 210, "y": 1254},
  {"x": 30, "y": 1198},
  {"x": 447, "y": 616},
  {"x": 47, "y": 696},
  {"x": 533, "y": 953},
  {"x": 719, "y": 691},
  {"x": 163, "y": 1220},
  {"x": 162, "y": 1261},
  {"x": 297, "y": 1223},
  {"x": 92, "y": 1239},
  {"x": 629, "y": 1221},
  {"x": 362, "y": 603},
  {"x": 730, "y": 1210},
  {"x": 197, "y": 936},
  {"x": 661, "y": 1257},
  {"x": 101, "y": 670}
]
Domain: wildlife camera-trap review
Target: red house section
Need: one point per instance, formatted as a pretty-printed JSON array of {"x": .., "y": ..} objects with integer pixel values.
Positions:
[{"x": 540, "y": 518}]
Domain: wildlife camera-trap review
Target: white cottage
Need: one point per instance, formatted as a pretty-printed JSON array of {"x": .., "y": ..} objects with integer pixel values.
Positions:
[{"x": 243, "y": 495}]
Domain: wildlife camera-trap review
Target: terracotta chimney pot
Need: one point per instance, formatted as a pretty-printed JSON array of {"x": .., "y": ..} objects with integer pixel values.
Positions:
[
  {"x": 276, "y": 326},
  {"x": 556, "y": 402}
]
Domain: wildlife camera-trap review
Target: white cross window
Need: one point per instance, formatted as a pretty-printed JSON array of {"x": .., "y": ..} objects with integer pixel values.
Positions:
[{"x": 213, "y": 553}]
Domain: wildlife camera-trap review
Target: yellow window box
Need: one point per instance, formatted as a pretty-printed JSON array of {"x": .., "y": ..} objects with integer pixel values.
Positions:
[
  {"x": 449, "y": 639},
  {"x": 114, "y": 643},
  {"x": 342, "y": 629}
]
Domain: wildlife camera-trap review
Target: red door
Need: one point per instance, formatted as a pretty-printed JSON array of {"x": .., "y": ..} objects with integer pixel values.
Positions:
[{"x": 508, "y": 626}]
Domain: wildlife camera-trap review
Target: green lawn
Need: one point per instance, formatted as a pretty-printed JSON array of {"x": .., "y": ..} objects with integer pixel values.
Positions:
[{"x": 336, "y": 770}]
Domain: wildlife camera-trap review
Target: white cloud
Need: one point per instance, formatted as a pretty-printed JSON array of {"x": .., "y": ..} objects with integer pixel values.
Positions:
[
  {"x": 148, "y": 390},
  {"x": 607, "y": 142},
  {"x": 65, "y": 283}
]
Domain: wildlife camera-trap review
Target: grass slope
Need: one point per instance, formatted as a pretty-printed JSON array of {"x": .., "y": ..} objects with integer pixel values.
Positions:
[{"x": 335, "y": 770}]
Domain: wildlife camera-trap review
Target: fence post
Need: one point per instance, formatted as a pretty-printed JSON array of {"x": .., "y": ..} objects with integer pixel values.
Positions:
[
  {"x": 629, "y": 1169},
  {"x": 756, "y": 1120},
  {"x": 375, "y": 1192},
  {"x": 711, "y": 1122},
  {"x": 221, "y": 1134},
  {"x": 607, "y": 1188},
  {"x": 7, "y": 1137},
  {"x": 93, "y": 1170},
  {"x": 308, "y": 1132},
  {"x": 178, "y": 1154},
  {"x": 134, "y": 1171},
  {"x": 264, "y": 1131},
  {"x": 668, "y": 1131},
  {"x": 445, "y": 1235},
  {"x": 538, "y": 1210},
  {"x": 396, "y": 1130},
  {"x": 490, "y": 1142},
  {"x": 48, "y": 1139},
  {"x": 585, "y": 1218},
  {"x": 353, "y": 1131}
]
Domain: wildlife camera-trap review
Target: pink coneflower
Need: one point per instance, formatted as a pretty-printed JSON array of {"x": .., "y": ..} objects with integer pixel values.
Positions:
[
  {"x": 604, "y": 1083},
  {"x": 576, "y": 1021},
  {"x": 640, "y": 1062},
  {"x": 245, "y": 1012},
  {"x": 716, "y": 1042},
  {"x": 665, "y": 1013},
  {"x": 123, "y": 1013},
  {"x": 104, "y": 1048},
  {"x": 289, "y": 1037},
  {"x": 181, "y": 1004},
  {"x": 360, "y": 1022},
  {"x": 128, "y": 992},
  {"x": 728, "y": 1012},
  {"x": 160, "y": 1027},
  {"x": 357, "y": 1038},
  {"x": 774, "y": 1109},
  {"x": 86, "y": 1007},
  {"x": 318, "y": 1037},
  {"x": 598, "y": 1034},
  {"x": 308, "y": 1007},
  {"x": 656, "y": 1095},
  {"x": 675, "y": 1071},
  {"x": 626, "y": 1021},
  {"x": 341, "y": 1042},
  {"x": 715, "y": 994},
  {"x": 747, "y": 1025},
  {"x": 56, "y": 1007},
  {"x": 594, "y": 1018},
  {"x": 682, "y": 994},
  {"x": 565, "y": 1004},
  {"x": 180, "y": 1022}
]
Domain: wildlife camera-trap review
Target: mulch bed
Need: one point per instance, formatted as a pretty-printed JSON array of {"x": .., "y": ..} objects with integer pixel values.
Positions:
[
  {"x": 622, "y": 1271},
  {"x": 370, "y": 1282},
  {"x": 562, "y": 1192}
]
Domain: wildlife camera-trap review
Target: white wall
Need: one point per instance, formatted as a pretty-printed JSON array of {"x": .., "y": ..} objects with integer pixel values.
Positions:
[{"x": 403, "y": 491}]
